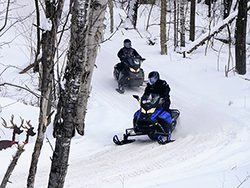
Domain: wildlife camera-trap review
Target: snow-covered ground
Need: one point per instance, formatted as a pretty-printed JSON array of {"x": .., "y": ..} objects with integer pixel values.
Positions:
[{"x": 212, "y": 135}]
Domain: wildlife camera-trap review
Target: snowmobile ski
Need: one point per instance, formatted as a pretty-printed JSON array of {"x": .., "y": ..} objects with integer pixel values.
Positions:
[
  {"x": 117, "y": 141},
  {"x": 120, "y": 91},
  {"x": 165, "y": 142}
]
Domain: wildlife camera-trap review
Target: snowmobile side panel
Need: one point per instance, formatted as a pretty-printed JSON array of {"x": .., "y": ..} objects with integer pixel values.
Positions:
[
  {"x": 166, "y": 117},
  {"x": 156, "y": 114}
]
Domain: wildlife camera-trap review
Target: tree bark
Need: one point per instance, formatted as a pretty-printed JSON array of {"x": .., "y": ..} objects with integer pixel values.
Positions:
[
  {"x": 12, "y": 165},
  {"x": 240, "y": 45},
  {"x": 227, "y": 6},
  {"x": 6, "y": 16},
  {"x": 133, "y": 6},
  {"x": 86, "y": 34},
  {"x": 53, "y": 12},
  {"x": 59, "y": 168},
  {"x": 175, "y": 25},
  {"x": 149, "y": 15},
  {"x": 209, "y": 3},
  {"x": 111, "y": 13},
  {"x": 192, "y": 20},
  {"x": 182, "y": 23},
  {"x": 163, "y": 27}
]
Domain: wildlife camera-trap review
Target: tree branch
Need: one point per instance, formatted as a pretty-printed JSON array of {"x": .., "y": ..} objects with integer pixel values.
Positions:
[
  {"x": 36, "y": 67},
  {"x": 194, "y": 45},
  {"x": 6, "y": 15},
  {"x": 24, "y": 88}
]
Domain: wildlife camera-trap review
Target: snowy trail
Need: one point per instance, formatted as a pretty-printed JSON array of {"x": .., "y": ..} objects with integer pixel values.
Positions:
[
  {"x": 198, "y": 144},
  {"x": 212, "y": 134},
  {"x": 114, "y": 165}
]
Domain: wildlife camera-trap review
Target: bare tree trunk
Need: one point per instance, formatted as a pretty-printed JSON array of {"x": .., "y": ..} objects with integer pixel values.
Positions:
[
  {"x": 86, "y": 34},
  {"x": 175, "y": 26},
  {"x": 163, "y": 27},
  {"x": 6, "y": 16},
  {"x": 38, "y": 35},
  {"x": 111, "y": 13},
  {"x": 240, "y": 45},
  {"x": 12, "y": 165},
  {"x": 209, "y": 3},
  {"x": 53, "y": 12},
  {"x": 192, "y": 20},
  {"x": 227, "y": 6},
  {"x": 133, "y": 6},
  {"x": 227, "y": 68},
  {"x": 182, "y": 23},
  {"x": 209, "y": 42},
  {"x": 149, "y": 14}
]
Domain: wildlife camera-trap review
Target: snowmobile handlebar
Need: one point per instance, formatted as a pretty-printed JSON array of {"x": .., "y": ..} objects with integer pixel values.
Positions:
[
  {"x": 133, "y": 58},
  {"x": 137, "y": 97}
]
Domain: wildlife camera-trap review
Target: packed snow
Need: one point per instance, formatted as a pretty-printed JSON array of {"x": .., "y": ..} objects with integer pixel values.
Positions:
[{"x": 211, "y": 148}]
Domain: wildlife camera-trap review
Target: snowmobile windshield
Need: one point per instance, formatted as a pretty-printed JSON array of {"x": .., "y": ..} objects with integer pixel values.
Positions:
[
  {"x": 151, "y": 100},
  {"x": 132, "y": 62}
]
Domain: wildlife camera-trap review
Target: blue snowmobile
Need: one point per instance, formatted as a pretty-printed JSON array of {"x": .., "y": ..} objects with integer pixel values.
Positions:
[{"x": 151, "y": 120}]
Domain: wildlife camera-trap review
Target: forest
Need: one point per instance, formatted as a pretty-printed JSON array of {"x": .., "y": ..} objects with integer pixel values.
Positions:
[{"x": 49, "y": 52}]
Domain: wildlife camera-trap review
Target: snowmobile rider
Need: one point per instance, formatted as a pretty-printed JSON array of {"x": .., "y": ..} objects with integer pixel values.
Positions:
[
  {"x": 160, "y": 87},
  {"x": 157, "y": 86},
  {"x": 126, "y": 52}
]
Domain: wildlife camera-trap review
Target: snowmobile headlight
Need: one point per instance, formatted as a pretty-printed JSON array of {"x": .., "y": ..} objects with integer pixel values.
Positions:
[
  {"x": 151, "y": 111},
  {"x": 134, "y": 70},
  {"x": 143, "y": 111}
]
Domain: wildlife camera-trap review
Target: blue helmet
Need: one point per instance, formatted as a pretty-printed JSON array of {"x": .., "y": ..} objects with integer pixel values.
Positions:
[{"x": 153, "y": 77}]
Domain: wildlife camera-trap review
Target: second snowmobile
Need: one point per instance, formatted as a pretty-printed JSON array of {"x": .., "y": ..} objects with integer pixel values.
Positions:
[{"x": 129, "y": 73}]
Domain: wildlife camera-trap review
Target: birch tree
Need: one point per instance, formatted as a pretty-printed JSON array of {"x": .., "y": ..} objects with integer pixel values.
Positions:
[
  {"x": 86, "y": 34},
  {"x": 53, "y": 13},
  {"x": 132, "y": 13},
  {"x": 111, "y": 13}
]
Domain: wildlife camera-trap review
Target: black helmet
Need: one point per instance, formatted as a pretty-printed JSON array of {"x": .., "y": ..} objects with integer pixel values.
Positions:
[
  {"x": 127, "y": 43},
  {"x": 153, "y": 77}
]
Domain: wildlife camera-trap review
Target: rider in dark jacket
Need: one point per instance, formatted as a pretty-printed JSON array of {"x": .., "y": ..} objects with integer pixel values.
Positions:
[
  {"x": 160, "y": 87},
  {"x": 127, "y": 51},
  {"x": 124, "y": 53},
  {"x": 157, "y": 86}
]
